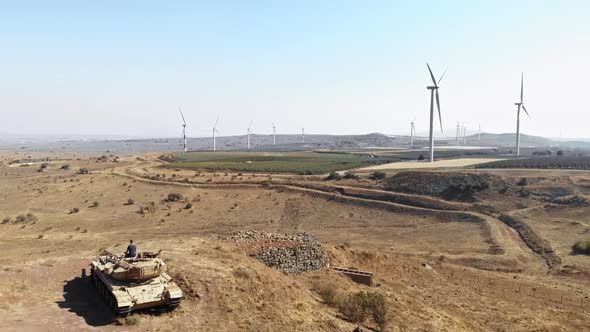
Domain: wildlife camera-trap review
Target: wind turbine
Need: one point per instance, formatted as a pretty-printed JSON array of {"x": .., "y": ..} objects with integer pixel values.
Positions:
[
  {"x": 215, "y": 131},
  {"x": 274, "y": 134},
  {"x": 479, "y": 131},
  {"x": 183, "y": 130},
  {"x": 519, "y": 105},
  {"x": 249, "y": 131},
  {"x": 434, "y": 93},
  {"x": 464, "y": 133},
  {"x": 457, "y": 133},
  {"x": 412, "y": 132},
  {"x": 302, "y": 135}
]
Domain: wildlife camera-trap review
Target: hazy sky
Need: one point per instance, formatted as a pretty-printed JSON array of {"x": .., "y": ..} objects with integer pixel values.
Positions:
[{"x": 124, "y": 67}]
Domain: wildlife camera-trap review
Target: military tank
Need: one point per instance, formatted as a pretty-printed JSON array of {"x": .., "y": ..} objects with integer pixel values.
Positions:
[{"x": 133, "y": 283}]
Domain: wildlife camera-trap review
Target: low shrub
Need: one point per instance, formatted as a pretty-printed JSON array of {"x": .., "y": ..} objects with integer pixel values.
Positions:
[
  {"x": 174, "y": 197},
  {"x": 130, "y": 201},
  {"x": 333, "y": 176},
  {"x": 355, "y": 307},
  {"x": 581, "y": 248},
  {"x": 188, "y": 206},
  {"x": 242, "y": 272},
  {"x": 74, "y": 210},
  {"x": 350, "y": 175},
  {"x": 25, "y": 218},
  {"x": 65, "y": 167},
  {"x": 83, "y": 170},
  {"x": 377, "y": 175}
]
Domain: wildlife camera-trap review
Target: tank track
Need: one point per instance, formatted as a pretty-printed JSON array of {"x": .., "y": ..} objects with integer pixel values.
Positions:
[
  {"x": 108, "y": 297},
  {"x": 173, "y": 304}
]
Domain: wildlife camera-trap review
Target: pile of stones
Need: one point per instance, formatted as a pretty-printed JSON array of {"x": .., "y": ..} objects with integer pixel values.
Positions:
[{"x": 291, "y": 253}]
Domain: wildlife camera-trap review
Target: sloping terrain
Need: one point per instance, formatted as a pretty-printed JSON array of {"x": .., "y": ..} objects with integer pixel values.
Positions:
[{"x": 482, "y": 275}]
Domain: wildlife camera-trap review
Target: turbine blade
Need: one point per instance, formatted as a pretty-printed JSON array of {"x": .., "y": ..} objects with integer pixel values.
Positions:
[
  {"x": 217, "y": 131},
  {"x": 431, "y": 74},
  {"x": 521, "y": 86},
  {"x": 182, "y": 115},
  {"x": 524, "y": 109},
  {"x": 441, "y": 77},
  {"x": 215, "y": 125},
  {"x": 250, "y": 125},
  {"x": 438, "y": 108}
]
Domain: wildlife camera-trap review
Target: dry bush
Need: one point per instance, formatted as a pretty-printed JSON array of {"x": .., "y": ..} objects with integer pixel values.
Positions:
[
  {"x": 83, "y": 170},
  {"x": 74, "y": 210},
  {"x": 242, "y": 272},
  {"x": 188, "y": 206},
  {"x": 6, "y": 220},
  {"x": 359, "y": 306},
  {"x": 25, "y": 218},
  {"x": 174, "y": 197},
  {"x": 355, "y": 307},
  {"x": 327, "y": 293},
  {"x": 143, "y": 210},
  {"x": 380, "y": 311},
  {"x": 95, "y": 204},
  {"x": 130, "y": 201}
]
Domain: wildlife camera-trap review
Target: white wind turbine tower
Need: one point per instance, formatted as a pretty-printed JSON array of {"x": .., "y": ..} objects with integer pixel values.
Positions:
[
  {"x": 457, "y": 133},
  {"x": 464, "y": 133},
  {"x": 412, "y": 132},
  {"x": 274, "y": 134},
  {"x": 215, "y": 131},
  {"x": 479, "y": 131},
  {"x": 249, "y": 131},
  {"x": 302, "y": 135},
  {"x": 183, "y": 130},
  {"x": 519, "y": 105},
  {"x": 434, "y": 93}
]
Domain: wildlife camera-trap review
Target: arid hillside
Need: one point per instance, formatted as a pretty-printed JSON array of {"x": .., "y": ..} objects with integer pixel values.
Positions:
[{"x": 443, "y": 259}]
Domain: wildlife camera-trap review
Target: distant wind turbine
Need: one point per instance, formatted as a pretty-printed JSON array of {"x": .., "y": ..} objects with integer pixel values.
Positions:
[
  {"x": 464, "y": 134},
  {"x": 302, "y": 135},
  {"x": 520, "y": 105},
  {"x": 183, "y": 130},
  {"x": 434, "y": 93},
  {"x": 457, "y": 134},
  {"x": 274, "y": 134},
  {"x": 479, "y": 131},
  {"x": 249, "y": 131},
  {"x": 412, "y": 132},
  {"x": 215, "y": 131}
]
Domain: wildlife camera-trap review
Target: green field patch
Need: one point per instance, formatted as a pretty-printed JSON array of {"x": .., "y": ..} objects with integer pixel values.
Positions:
[{"x": 277, "y": 162}]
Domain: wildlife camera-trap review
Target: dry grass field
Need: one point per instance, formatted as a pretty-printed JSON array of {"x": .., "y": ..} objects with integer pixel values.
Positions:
[
  {"x": 483, "y": 276},
  {"x": 445, "y": 163}
]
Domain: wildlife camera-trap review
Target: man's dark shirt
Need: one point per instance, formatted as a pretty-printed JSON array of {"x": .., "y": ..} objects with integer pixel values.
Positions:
[{"x": 131, "y": 250}]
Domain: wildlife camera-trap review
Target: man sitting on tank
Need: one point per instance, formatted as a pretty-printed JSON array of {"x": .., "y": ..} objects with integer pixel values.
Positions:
[{"x": 131, "y": 249}]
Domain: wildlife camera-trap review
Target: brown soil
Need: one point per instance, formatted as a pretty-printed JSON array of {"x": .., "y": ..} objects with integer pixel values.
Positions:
[{"x": 484, "y": 277}]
